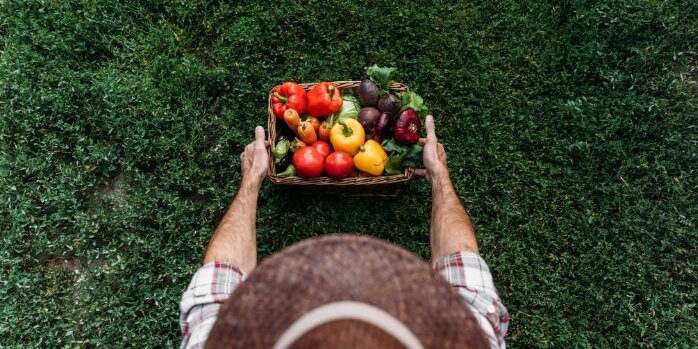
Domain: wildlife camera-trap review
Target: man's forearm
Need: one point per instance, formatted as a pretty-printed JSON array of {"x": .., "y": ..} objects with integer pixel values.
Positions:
[
  {"x": 235, "y": 240},
  {"x": 451, "y": 229}
]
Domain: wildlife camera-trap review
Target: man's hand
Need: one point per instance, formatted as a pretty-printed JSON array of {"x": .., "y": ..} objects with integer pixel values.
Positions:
[
  {"x": 451, "y": 229},
  {"x": 255, "y": 159},
  {"x": 235, "y": 240},
  {"x": 434, "y": 155}
]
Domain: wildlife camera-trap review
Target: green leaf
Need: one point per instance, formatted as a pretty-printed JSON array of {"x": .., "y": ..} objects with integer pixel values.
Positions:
[
  {"x": 381, "y": 76},
  {"x": 413, "y": 157},
  {"x": 411, "y": 100},
  {"x": 402, "y": 155},
  {"x": 391, "y": 145},
  {"x": 393, "y": 165},
  {"x": 350, "y": 109}
]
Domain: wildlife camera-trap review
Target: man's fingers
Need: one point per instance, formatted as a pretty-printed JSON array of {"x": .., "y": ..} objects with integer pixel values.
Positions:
[
  {"x": 423, "y": 142},
  {"x": 431, "y": 129},
  {"x": 420, "y": 171},
  {"x": 259, "y": 135},
  {"x": 266, "y": 144}
]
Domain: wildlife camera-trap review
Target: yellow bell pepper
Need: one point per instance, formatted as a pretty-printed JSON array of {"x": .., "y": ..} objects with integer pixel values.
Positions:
[
  {"x": 347, "y": 135},
  {"x": 371, "y": 158}
]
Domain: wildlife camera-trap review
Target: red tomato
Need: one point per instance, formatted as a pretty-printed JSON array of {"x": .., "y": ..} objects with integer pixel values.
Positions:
[
  {"x": 339, "y": 164},
  {"x": 322, "y": 147},
  {"x": 308, "y": 162}
]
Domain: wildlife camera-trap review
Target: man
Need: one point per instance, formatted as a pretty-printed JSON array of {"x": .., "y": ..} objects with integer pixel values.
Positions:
[{"x": 231, "y": 256}]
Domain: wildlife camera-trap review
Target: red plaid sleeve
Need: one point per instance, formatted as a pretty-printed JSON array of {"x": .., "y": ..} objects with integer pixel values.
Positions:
[
  {"x": 209, "y": 288},
  {"x": 469, "y": 274}
]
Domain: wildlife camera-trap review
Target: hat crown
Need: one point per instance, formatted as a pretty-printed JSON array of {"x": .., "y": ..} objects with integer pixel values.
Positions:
[{"x": 339, "y": 268}]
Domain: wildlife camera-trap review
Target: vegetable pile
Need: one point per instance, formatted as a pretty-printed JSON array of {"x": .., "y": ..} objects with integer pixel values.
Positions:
[{"x": 352, "y": 132}]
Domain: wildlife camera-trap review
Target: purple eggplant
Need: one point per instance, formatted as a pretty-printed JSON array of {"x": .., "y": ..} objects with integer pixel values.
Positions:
[
  {"x": 368, "y": 117},
  {"x": 382, "y": 126}
]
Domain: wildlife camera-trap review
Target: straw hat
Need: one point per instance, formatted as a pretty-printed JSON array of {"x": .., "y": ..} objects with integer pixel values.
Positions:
[{"x": 345, "y": 292}]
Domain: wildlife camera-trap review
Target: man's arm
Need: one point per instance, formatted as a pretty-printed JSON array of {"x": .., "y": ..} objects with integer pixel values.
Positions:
[
  {"x": 233, "y": 248},
  {"x": 454, "y": 248},
  {"x": 235, "y": 241},
  {"x": 451, "y": 230}
]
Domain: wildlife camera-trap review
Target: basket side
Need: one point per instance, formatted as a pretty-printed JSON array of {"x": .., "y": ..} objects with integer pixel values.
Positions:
[{"x": 271, "y": 134}]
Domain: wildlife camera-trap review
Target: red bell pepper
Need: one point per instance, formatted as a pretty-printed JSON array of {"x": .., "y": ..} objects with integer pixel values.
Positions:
[
  {"x": 324, "y": 99},
  {"x": 288, "y": 95}
]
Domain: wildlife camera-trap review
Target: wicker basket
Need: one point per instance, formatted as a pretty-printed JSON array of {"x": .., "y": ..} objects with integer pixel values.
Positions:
[{"x": 353, "y": 186}]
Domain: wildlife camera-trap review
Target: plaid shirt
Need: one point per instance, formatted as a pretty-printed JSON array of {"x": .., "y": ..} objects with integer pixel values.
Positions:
[{"x": 466, "y": 271}]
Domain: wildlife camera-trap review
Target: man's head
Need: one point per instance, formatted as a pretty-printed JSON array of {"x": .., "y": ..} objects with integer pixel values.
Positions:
[{"x": 345, "y": 292}]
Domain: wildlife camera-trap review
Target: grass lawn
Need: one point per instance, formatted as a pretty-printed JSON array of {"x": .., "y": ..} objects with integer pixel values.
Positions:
[{"x": 571, "y": 129}]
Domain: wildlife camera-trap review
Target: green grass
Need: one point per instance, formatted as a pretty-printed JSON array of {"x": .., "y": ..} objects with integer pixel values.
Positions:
[{"x": 571, "y": 129}]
